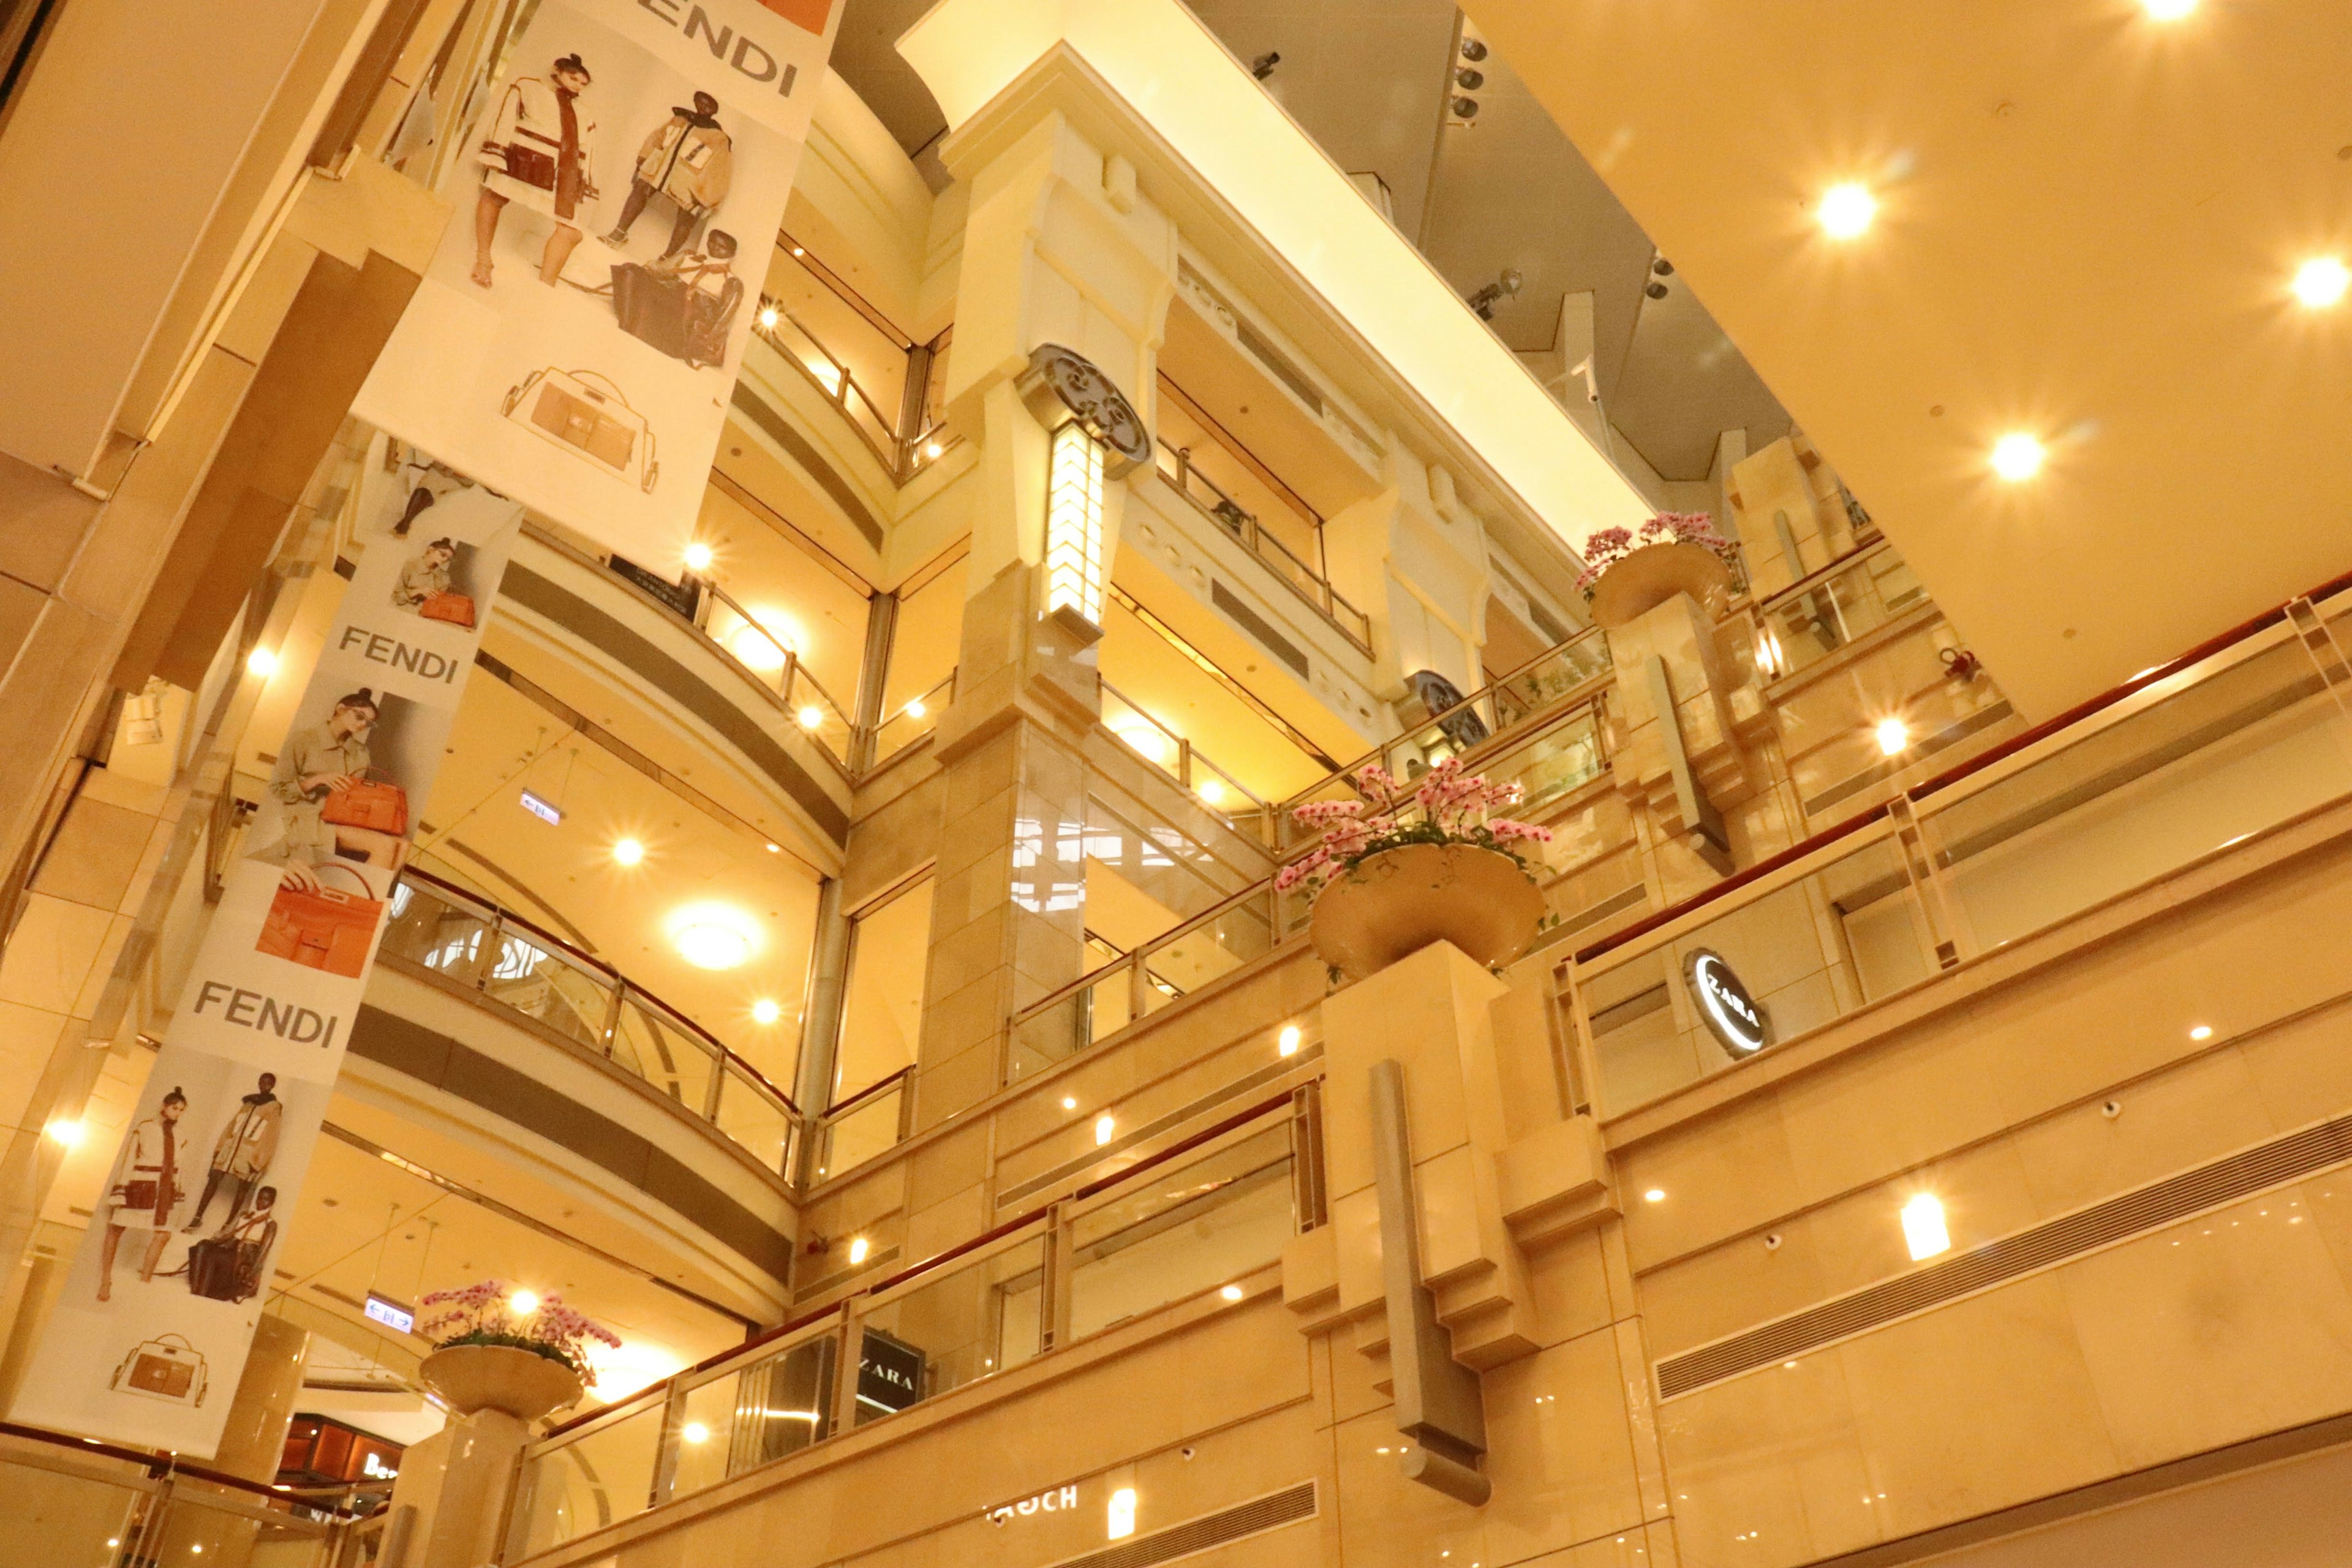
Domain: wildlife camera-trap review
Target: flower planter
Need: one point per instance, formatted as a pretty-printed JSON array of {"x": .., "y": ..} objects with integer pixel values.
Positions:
[
  {"x": 1399, "y": 900},
  {"x": 1649, "y": 576},
  {"x": 522, "y": 1383}
]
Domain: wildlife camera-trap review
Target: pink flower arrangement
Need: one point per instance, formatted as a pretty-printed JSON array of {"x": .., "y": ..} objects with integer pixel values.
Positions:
[
  {"x": 1608, "y": 546},
  {"x": 483, "y": 1313},
  {"x": 1454, "y": 808}
]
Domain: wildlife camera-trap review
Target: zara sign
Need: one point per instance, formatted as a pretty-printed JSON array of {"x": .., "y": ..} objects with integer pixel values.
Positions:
[{"x": 1737, "y": 1020}]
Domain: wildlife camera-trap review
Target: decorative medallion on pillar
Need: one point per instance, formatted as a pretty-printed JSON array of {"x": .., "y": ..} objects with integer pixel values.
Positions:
[{"x": 1060, "y": 386}]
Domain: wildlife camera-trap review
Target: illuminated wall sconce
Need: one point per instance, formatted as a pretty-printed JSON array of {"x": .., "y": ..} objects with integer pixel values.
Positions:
[
  {"x": 1096, "y": 438},
  {"x": 1924, "y": 1230},
  {"x": 1121, "y": 1522}
]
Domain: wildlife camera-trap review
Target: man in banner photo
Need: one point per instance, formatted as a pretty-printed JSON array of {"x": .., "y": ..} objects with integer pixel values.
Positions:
[
  {"x": 577, "y": 336},
  {"x": 151, "y": 1327}
]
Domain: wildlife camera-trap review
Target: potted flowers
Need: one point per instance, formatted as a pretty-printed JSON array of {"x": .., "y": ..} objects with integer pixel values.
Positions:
[
  {"x": 1384, "y": 887},
  {"x": 1630, "y": 572},
  {"x": 507, "y": 1350}
]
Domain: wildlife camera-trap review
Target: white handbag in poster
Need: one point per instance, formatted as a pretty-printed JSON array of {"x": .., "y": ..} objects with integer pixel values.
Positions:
[{"x": 575, "y": 340}]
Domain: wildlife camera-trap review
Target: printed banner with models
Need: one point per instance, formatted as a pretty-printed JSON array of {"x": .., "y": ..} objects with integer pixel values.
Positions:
[
  {"x": 151, "y": 1331},
  {"x": 576, "y": 338}
]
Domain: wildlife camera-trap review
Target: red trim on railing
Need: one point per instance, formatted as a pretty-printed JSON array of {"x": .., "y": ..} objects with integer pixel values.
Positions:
[
  {"x": 160, "y": 1462},
  {"x": 939, "y": 1259},
  {"x": 871, "y": 1091},
  {"x": 1974, "y": 764}
]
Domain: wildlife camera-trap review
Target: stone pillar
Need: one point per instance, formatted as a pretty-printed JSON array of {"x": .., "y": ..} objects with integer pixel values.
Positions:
[
  {"x": 252, "y": 1443},
  {"x": 469, "y": 1515}
]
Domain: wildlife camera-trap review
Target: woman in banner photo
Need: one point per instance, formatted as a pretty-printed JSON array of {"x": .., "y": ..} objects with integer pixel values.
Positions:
[
  {"x": 241, "y": 1155},
  {"x": 537, "y": 152},
  {"x": 316, "y": 762},
  {"x": 426, "y": 574},
  {"x": 142, "y": 1190},
  {"x": 689, "y": 160}
]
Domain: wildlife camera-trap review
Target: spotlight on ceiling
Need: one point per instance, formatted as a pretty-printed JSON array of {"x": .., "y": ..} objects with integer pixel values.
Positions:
[
  {"x": 1505, "y": 286},
  {"x": 1846, "y": 210},
  {"x": 2017, "y": 456},
  {"x": 2322, "y": 281},
  {"x": 2169, "y": 10},
  {"x": 1262, "y": 67},
  {"x": 628, "y": 851},
  {"x": 1465, "y": 107},
  {"x": 1474, "y": 48},
  {"x": 699, "y": 556},
  {"x": 1469, "y": 79},
  {"x": 1655, "y": 290}
]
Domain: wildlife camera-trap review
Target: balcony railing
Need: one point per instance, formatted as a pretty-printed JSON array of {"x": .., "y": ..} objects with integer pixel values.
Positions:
[
  {"x": 2239, "y": 737},
  {"x": 776, "y": 664},
  {"x": 109, "y": 1504},
  {"x": 885, "y": 1348},
  {"x": 525, "y": 969},
  {"x": 1176, "y": 756},
  {"x": 1176, "y": 468},
  {"x": 1812, "y": 619}
]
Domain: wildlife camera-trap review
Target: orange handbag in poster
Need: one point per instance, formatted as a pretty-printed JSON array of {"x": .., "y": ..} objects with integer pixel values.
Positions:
[
  {"x": 165, "y": 1368},
  {"x": 457, "y": 609},
  {"x": 807, "y": 14},
  {"x": 368, "y": 804},
  {"x": 327, "y": 929}
]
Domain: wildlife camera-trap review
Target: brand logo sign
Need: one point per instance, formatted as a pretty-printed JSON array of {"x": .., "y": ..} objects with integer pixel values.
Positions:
[
  {"x": 1737, "y": 1020},
  {"x": 1057, "y": 1501},
  {"x": 889, "y": 1373}
]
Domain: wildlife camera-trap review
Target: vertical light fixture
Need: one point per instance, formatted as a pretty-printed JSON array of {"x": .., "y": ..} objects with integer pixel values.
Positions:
[
  {"x": 1073, "y": 524},
  {"x": 1924, "y": 1230},
  {"x": 1121, "y": 1522}
]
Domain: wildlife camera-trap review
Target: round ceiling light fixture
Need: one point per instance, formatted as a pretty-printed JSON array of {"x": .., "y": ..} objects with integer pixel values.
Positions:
[
  {"x": 2169, "y": 10},
  {"x": 2322, "y": 281},
  {"x": 1847, "y": 210},
  {"x": 2017, "y": 456},
  {"x": 713, "y": 936},
  {"x": 1147, "y": 740},
  {"x": 699, "y": 556}
]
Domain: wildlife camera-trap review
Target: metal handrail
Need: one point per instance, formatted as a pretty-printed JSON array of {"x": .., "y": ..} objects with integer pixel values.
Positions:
[
  {"x": 1984, "y": 761},
  {"x": 1186, "y": 755},
  {"x": 1141, "y": 951},
  {"x": 1242, "y": 526},
  {"x": 909, "y": 452},
  {"x": 498, "y": 919},
  {"x": 161, "y": 1463}
]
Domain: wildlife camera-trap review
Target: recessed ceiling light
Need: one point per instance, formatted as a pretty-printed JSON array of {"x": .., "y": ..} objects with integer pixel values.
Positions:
[
  {"x": 694, "y": 1432},
  {"x": 698, "y": 557},
  {"x": 1654, "y": 1195},
  {"x": 766, "y": 1011},
  {"x": 712, "y": 936},
  {"x": 261, "y": 662},
  {"x": 2017, "y": 456},
  {"x": 69, "y": 1134},
  {"x": 810, "y": 716},
  {"x": 1210, "y": 790},
  {"x": 769, "y": 316},
  {"x": 628, "y": 851},
  {"x": 2322, "y": 281},
  {"x": 1924, "y": 1231},
  {"x": 775, "y": 849},
  {"x": 1231, "y": 1293},
  {"x": 1893, "y": 734},
  {"x": 2201, "y": 1032},
  {"x": 858, "y": 1248},
  {"x": 1846, "y": 210},
  {"x": 1147, "y": 740},
  {"x": 2169, "y": 10}
]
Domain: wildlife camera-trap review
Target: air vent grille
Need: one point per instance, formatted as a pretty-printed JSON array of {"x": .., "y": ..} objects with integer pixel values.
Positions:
[
  {"x": 1222, "y": 1527},
  {"x": 2226, "y": 1181}
]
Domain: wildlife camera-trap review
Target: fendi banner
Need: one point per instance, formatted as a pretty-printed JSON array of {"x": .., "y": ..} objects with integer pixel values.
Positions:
[
  {"x": 151, "y": 1331},
  {"x": 576, "y": 339}
]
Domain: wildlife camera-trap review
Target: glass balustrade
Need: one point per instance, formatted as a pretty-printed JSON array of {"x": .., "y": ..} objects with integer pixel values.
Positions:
[{"x": 515, "y": 966}]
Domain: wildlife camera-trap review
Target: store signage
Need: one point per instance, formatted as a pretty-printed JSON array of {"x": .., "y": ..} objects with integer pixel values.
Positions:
[
  {"x": 1737, "y": 1020},
  {"x": 1059, "y": 1500},
  {"x": 389, "y": 1312},
  {"x": 546, "y": 812},
  {"x": 889, "y": 1373}
]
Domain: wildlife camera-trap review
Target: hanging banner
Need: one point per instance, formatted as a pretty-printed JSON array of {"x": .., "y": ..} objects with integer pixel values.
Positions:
[
  {"x": 150, "y": 1329},
  {"x": 576, "y": 339}
]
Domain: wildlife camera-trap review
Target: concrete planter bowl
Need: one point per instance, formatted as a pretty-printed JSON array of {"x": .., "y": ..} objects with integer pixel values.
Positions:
[
  {"x": 1398, "y": 902},
  {"x": 522, "y": 1383},
  {"x": 1656, "y": 573}
]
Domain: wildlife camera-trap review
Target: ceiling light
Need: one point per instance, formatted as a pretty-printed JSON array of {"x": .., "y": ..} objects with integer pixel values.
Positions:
[
  {"x": 858, "y": 1248},
  {"x": 810, "y": 716},
  {"x": 523, "y": 1302},
  {"x": 1231, "y": 1293},
  {"x": 1210, "y": 790},
  {"x": 69, "y": 1134},
  {"x": 698, "y": 557},
  {"x": 2322, "y": 281},
  {"x": 1846, "y": 210},
  {"x": 1923, "y": 1228},
  {"x": 2201, "y": 1032},
  {"x": 1654, "y": 1195},
  {"x": 775, "y": 849},
  {"x": 261, "y": 662},
  {"x": 1893, "y": 736},
  {"x": 713, "y": 935},
  {"x": 1069, "y": 1103},
  {"x": 628, "y": 851},
  {"x": 1286, "y": 1043},
  {"x": 798, "y": 250},
  {"x": 769, "y": 317},
  {"x": 2017, "y": 456},
  {"x": 1104, "y": 1127},
  {"x": 2169, "y": 10},
  {"x": 694, "y": 1432},
  {"x": 766, "y": 1011},
  {"x": 915, "y": 709}
]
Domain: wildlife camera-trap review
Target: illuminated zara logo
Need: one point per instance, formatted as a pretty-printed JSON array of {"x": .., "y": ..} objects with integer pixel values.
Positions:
[{"x": 1737, "y": 1020}]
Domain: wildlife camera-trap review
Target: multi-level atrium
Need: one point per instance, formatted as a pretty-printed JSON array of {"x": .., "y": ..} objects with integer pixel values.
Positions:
[{"x": 686, "y": 860}]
